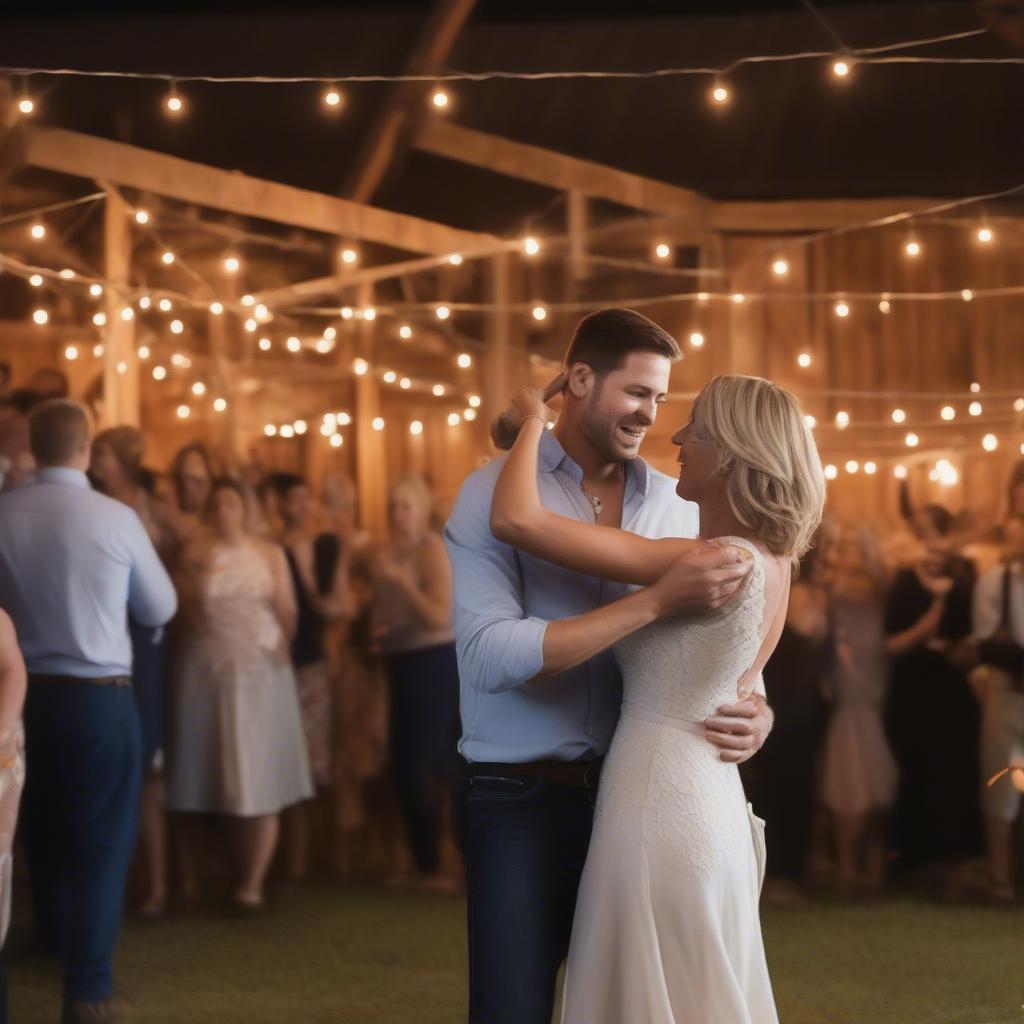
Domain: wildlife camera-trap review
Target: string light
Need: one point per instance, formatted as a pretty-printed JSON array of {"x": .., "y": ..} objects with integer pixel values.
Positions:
[
  {"x": 531, "y": 246},
  {"x": 300, "y": 427},
  {"x": 199, "y": 388},
  {"x": 95, "y": 290},
  {"x": 405, "y": 383},
  {"x": 469, "y": 414},
  {"x": 720, "y": 94},
  {"x": 842, "y": 309},
  {"x": 344, "y": 419},
  {"x": 975, "y": 387},
  {"x": 454, "y": 419},
  {"x": 219, "y": 404},
  {"x": 405, "y": 332},
  {"x": 370, "y": 314},
  {"x": 831, "y": 472},
  {"x": 26, "y": 106},
  {"x": 336, "y": 440},
  {"x": 947, "y": 412},
  {"x": 840, "y": 68},
  {"x": 248, "y": 300},
  {"x": 142, "y": 216},
  {"x": 870, "y": 468},
  {"x": 41, "y": 317},
  {"x": 703, "y": 297},
  {"x": 270, "y": 430},
  {"x": 167, "y": 258},
  {"x": 739, "y": 298},
  {"x": 328, "y": 427},
  {"x": 898, "y": 416},
  {"x": 804, "y": 359},
  {"x": 184, "y": 412},
  {"x": 324, "y": 345},
  {"x": 38, "y": 231},
  {"x": 464, "y": 361},
  {"x": 159, "y": 372},
  {"x": 174, "y": 103},
  {"x": 183, "y": 362},
  {"x": 474, "y": 401},
  {"x": 262, "y": 313},
  {"x": 286, "y": 430},
  {"x": 99, "y": 319},
  {"x": 36, "y": 280},
  {"x": 416, "y": 428},
  {"x": 810, "y": 421},
  {"x": 912, "y": 440},
  {"x": 347, "y": 312},
  {"x": 852, "y": 466},
  {"x": 985, "y": 235},
  {"x": 71, "y": 353},
  {"x": 439, "y": 99},
  {"x": 1018, "y": 405},
  {"x": 145, "y": 302},
  {"x": 390, "y": 377},
  {"x": 166, "y": 305},
  {"x": 251, "y": 325},
  {"x": 122, "y": 367},
  {"x": 177, "y": 327},
  {"x": 378, "y": 423},
  {"x": 780, "y": 268},
  {"x": 967, "y": 295},
  {"x": 438, "y": 390},
  {"x": 975, "y": 408},
  {"x": 293, "y": 344},
  {"x": 696, "y": 339},
  {"x": 360, "y": 367},
  {"x": 900, "y": 472},
  {"x": 884, "y": 306},
  {"x": 349, "y": 256},
  {"x": 67, "y": 274},
  {"x": 231, "y": 264},
  {"x": 945, "y": 473},
  {"x": 127, "y": 313},
  {"x": 97, "y": 351},
  {"x": 455, "y": 259},
  {"x": 144, "y": 352},
  {"x": 265, "y": 344},
  {"x": 912, "y": 248},
  {"x": 332, "y": 99},
  {"x": 216, "y": 308},
  {"x": 842, "y": 419},
  {"x": 662, "y": 251},
  {"x": 443, "y": 312},
  {"x": 539, "y": 313},
  {"x": 990, "y": 442}
]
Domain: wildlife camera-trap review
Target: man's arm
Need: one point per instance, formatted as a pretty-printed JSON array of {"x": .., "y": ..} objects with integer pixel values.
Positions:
[{"x": 151, "y": 595}]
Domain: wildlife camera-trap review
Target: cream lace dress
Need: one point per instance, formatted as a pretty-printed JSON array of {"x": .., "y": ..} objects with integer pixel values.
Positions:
[{"x": 666, "y": 928}]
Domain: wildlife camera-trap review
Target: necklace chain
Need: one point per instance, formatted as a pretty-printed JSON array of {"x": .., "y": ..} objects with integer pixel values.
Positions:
[{"x": 594, "y": 500}]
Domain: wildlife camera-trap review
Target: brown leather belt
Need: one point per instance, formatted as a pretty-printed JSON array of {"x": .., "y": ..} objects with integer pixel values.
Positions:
[
  {"x": 91, "y": 680},
  {"x": 583, "y": 774}
]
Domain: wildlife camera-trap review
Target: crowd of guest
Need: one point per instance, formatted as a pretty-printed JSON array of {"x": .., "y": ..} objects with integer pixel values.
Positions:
[
  {"x": 898, "y": 690},
  {"x": 286, "y": 683}
]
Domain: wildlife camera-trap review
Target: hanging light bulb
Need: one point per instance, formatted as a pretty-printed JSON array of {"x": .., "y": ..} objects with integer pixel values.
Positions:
[
  {"x": 696, "y": 339},
  {"x": 804, "y": 360},
  {"x": 443, "y": 312},
  {"x": 184, "y": 412},
  {"x": 360, "y": 367},
  {"x": 720, "y": 94},
  {"x": 145, "y": 302},
  {"x": 975, "y": 387},
  {"x": 67, "y": 274},
  {"x": 405, "y": 383},
  {"x": 231, "y": 264},
  {"x": 662, "y": 251},
  {"x": 286, "y": 430},
  {"x": 336, "y": 440},
  {"x": 332, "y": 98},
  {"x": 293, "y": 344},
  {"x": 912, "y": 440},
  {"x": 831, "y": 472},
  {"x": 898, "y": 416},
  {"x": 300, "y": 427},
  {"x": 842, "y": 419},
  {"x": 842, "y": 309},
  {"x": 780, "y": 268},
  {"x": 265, "y": 344},
  {"x": 390, "y": 377},
  {"x": 840, "y": 68},
  {"x": 127, "y": 313},
  {"x": 95, "y": 290},
  {"x": 144, "y": 352},
  {"x": 416, "y": 428},
  {"x": 252, "y": 325},
  {"x": 349, "y": 256},
  {"x": 99, "y": 319},
  {"x": 464, "y": 361},
  {"x": 739, "y": 298},
  {"x": 159, "y": 372},
  {"x": 912, "y": 248},
  {"x": 405, "y": 332},
  {"x": 985, "y": 235},
  {"x": 455, "y": 259},
  {"x": 539, "y": 313},
  {"x": 975, "y": 408},
  {"x": 177, "y": 327},
  {"x": 219, "y": 404},
  {"x": 270, "y": 430},
  {"x": 870, "y": 468},
  {"x": 967, "y": 295},
  {"x": 71, "y": 353},
  {"x": 469, "y": 414},
  {"x": 174, "y": 104},
  {"x": 990, "y": 442},
  {"x": 26, "y": 106},
  {"x": 97, "y": 351},
  {"x": 454, "y": 419},
  {"x": 216, "y": 308},
  {"x": 852, "y": 466},
  {"x": 439, "y": 99},
  {"x": 347, "y": 312},
  {"x": 370, "y": 314},
  {"x": 900, "y": 472},
  {"x": 36, "y": 280},
  {"x": 884, "y": 306},
  {"x": 810, "y": 421},
  {"x": 141, "y": 216},
  {"x": 344, "y": 419},
  {"x": 378, "y": 423},
  {"x": 947, "y": 412},
  {"x": 474, "y": 401},
  {"x": 438, "y": 390},
  {"x": 199, "y": 388},
  {"x": 1018, "y": 405},
  {"x": 165, "y": 306},
  {"x": 40, "y": 316},
  {"x": 38, "y": 231},
  {"x": 531, "y": 246},
  {"x": 167, "y": 258}
]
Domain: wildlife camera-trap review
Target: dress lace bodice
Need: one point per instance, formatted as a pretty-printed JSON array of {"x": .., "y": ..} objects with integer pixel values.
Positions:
[{"x": 687, "y": 668}]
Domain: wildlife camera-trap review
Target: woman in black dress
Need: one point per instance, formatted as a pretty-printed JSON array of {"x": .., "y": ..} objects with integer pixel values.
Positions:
[{"x": 932, "y": 716}]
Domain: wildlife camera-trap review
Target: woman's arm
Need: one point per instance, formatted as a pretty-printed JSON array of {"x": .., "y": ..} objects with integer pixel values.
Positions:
[
  {"x": 518, "y": 518},
  {"x": 336, "y": 603},
  {"x": 921, "y": 632},
  {"x": 431, "y": 600},
  {"x": 282, "y": 600}
]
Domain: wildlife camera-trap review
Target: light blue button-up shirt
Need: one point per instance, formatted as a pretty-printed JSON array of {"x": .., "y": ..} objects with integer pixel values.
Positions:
[
  {"x": 504, "y": 599},
  {"x": 72, "y": 563}
]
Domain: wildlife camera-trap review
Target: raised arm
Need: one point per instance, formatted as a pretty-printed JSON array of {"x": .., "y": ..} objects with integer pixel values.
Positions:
[{"x": 518, "y": 518}]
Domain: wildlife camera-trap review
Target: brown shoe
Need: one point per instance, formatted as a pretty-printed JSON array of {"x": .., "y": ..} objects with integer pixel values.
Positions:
[{"x": 107, "y": 1011}]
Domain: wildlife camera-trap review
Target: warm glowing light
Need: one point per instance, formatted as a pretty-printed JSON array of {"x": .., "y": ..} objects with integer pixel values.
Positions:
[
  {"x": 884, "y": 306},
  {"x": 840, "y": 68},
  {"x": 405, "y": 383},
  {"x": 99, "y": 319},
  {"x": 989, "y": 442},
  {"x": 216, "y": 308},
  {"x": 248, "y": 300},
  {"x": 159, "y": 372},
  {"x": 324, "y": 345},
  {"x": 852, "y": 466},
  {"x": 378, "y": 423},
  {"x": 36, "y": 280},
  {"x": 145, "y": 302},
  {"x": 438, "y": 390},
  {"x": 231, "y": 264},
  {"x": 831, "y": 472},
  {"x": 662, "y": 251},
  {"x": 967, "y": 295},
  {"x": 975, "y": 387},
  {"x": 97, "y": 351},
  {"x": 531, "y": 246},
  {"x": 912, "y": 248},
  {"x": 349, "y": 256},
  {"x": 219, "y": 404},
  {"x": 199, "y": 388},
  {"x": 252, "y": 325},
  {"x": 167, "y": 257},
  {"x": 265, "y": 344},
  {"x": 177, "y": 327},
  {"x": 347, "y": 312},
  {"x": 415, "y": 428},
  {"x": 179, "y": 360},
  {"x": 539, "y": 313},
  {"x": 405, "y": 332},
  {"x": 270, "y": 430},
  {"x": 474, "y": 401},
  {"x": 443, "y": 312},
  {"x": 122, "y": 367},
  {"x": 703, "y": 296},
  {"x": 287, "y": 430},
  {"x": 469, "y": 414},
  {"x": 975, "y": 408},
  {"x": 946, "y": 473},
  {"x": 95, "y": 290},
  {"x": 912, "y": 440},
  {"x": 870, "y": 468},
  {"x": 720, "y": 94},
  {"x": 370, "y": 314},
  {"x": 38, "y": 231},
  {"x": 454, "y": 419},
  {"x": 696, "y": 339},
  {"x": 464, "y": 361},
  {"x": 184, "y": 412},
  {"x": 127, "y": 313},
  {"x": 165, "y": 306},
  {"x": 332, "y": 98},
  {"x": 142, "y": 216},
  {"x": 175, "y": 104},
  {"x": 25, "y": 105},
  {"x": 71, "y": 353},
  {"x": 739, "y": 298},
  {"x": 143, "y": 352},
  {"x": 300, "y": 427},
  {"x": 1018, "y": 405},
  {"x": 262, "y": 313},
  {"x": 985, "y": 235},
  {"x": 67, "y": 274},
  {"x": 810, "y": 421},
  {"x": 455, "y": 260},
  {"x": 336, "y": 440},
  {"x": 360, "y": 367},
  {"x": 390, "y": 377},
  {"x": 842, "y": 419},
  {"x": 293, "y": 344},
  {"x": 900, "y": 472},
  {"x": 898, "y": 416},
  {"x": 439, "y": 99},
  {"x": 344, "y": 419},
  {"x": 842, "y": 309},
  {"x": 804, "y": 359},
  {"x": 330, "y": 333},
  {"x": 41, "y": 316},
  {"x": 780, "y": 268},
  {"x": 947, "y": 412}
]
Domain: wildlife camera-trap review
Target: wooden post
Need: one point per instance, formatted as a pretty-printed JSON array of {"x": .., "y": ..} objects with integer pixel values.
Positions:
[
  {"x": 120, "y": 363},
  {"x": 577, "y": 222},
  {"x": 371, "y": 463},
  {"x": 496, "y": 358}
]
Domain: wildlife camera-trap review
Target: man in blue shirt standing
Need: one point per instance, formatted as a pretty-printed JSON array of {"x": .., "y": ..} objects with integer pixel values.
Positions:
[
  {"x": 72, "y": 563},
  {"x": 540, "y": 694}
]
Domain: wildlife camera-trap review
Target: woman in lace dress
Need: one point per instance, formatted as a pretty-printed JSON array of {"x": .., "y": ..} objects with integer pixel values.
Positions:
[
  {"x": 235, "y": 741},
  {"x": 666, "y": 929}
]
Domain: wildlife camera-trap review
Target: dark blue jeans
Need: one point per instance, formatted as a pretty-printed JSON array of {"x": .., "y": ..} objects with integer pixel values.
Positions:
[
  {"x": 79, "y": 816},
  {"x": 527, "y": 845}
]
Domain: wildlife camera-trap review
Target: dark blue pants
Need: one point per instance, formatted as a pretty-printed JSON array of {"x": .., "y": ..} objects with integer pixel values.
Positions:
[
  {"x": 79, "y": 816},
  {"x": 424, "y": 747},
  {"x": 527, "y": 845}
]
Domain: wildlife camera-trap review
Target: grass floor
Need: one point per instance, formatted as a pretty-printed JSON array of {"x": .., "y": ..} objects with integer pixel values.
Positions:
[{"x": 365, "y": 955}]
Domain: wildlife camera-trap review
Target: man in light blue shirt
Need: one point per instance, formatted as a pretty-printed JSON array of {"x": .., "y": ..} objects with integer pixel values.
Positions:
[
  {"x": 72, "y": 564},
  {"x": 534, "y": 750}
]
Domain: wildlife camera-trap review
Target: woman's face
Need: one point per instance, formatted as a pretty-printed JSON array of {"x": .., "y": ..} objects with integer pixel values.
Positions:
[
  {"x": 407, "y": 517},
  {"x": 698, "y": 460},
  {"x": 295, "y": 505},
  {"x": 195, "y": 483},
  {"x": 228, "y": 512},
  {"x": 104, "y": 464}
]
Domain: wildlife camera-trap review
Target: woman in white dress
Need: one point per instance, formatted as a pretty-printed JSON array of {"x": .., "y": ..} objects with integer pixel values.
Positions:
[{"x": 666, "y": 929}]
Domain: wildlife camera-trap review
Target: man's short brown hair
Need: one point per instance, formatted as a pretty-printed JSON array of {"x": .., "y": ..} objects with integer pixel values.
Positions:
[
  {"x": 604, "y": 339},
  {"x": 58, "y": 429}
]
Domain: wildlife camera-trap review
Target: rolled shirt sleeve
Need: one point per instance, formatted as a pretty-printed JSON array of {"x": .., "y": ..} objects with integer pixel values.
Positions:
[{"x": 987, "y": 603}]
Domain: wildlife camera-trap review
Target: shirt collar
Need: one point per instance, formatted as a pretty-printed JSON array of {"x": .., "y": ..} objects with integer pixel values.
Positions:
[
  {"x": 552, "y": 456},
  {"x": 62, "y": 475}
]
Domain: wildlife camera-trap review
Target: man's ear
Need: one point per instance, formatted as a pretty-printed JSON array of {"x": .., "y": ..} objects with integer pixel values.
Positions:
[{"x": 581, "y": 380}]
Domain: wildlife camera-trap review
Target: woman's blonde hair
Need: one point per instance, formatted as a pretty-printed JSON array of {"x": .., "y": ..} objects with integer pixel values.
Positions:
[
  {"x": 418, "y": 489},
  {"x": 774, "y": 479}
]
